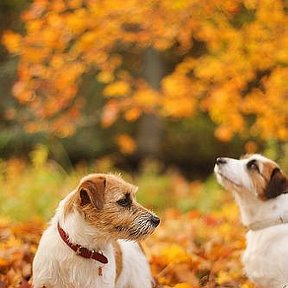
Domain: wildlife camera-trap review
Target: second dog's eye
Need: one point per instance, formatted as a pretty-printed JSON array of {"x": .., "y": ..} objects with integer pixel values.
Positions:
[
  {"x": 124, "y": 202},
  {"x": 252, "y": 165}
]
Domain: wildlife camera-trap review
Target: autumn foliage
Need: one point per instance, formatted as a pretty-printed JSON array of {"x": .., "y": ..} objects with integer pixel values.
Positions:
[
  {"x": 201, "y": 247},
  {"x": 229, "y": 58},
  {"x": 188, "y": 251},
  {"x": 224, "y": 58}
]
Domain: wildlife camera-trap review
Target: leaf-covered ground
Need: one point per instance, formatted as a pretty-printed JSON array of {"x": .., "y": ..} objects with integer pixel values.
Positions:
[
  {"x": 198, "y": 244},
  {"x": 187, "y": 250}
]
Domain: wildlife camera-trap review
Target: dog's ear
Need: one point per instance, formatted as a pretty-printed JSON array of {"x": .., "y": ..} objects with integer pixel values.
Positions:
[
  {"x": 92, "y": 191},
  {"x": 277, "y": 185}
]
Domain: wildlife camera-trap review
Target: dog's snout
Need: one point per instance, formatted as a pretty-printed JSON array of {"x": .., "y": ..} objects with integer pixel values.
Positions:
[
  {"x": 155, "y": 220},
  {"x": 220, "y": 161}
]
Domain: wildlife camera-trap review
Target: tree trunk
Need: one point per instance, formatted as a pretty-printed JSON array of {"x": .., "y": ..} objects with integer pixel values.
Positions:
[{"x": 150, "y": 125}]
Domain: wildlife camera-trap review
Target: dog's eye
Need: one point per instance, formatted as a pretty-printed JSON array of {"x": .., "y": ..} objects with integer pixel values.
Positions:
[
  {"x": 252, "y": 165},
  {"x": 124, "y": 202}
]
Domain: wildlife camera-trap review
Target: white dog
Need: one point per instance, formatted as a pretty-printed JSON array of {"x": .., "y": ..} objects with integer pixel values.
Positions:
[
  {"x": 259, "y": 187},
  {"x": 80, "y": 248}
]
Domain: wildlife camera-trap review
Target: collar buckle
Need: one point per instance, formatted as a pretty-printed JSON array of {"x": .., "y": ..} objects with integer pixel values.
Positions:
[{"x": 79, "y": 250}]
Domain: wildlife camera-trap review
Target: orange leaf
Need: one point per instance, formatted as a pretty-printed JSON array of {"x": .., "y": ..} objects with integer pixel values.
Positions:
[{"x": 126, "y": 144}]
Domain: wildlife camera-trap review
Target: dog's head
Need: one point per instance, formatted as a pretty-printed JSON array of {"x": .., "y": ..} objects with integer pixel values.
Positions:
[
  {"x": 108, "y": 203},
  {"x": 254, "y": 174}
]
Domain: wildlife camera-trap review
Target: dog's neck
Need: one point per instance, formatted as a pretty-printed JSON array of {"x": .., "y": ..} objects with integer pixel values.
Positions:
[
  {"x": 253, "y": 210},
  {"x": 79, "y": 231}
]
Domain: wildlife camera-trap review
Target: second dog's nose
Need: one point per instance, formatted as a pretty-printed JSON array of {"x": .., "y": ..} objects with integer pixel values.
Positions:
[
  {"x": 220, "y": 161},
  {"x": 155, "y": 220}
]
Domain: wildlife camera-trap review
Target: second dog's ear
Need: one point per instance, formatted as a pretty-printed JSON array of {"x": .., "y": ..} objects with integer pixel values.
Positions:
[
  {"x": 277, "y": 185},
  {"x": 92, "y": 191}
]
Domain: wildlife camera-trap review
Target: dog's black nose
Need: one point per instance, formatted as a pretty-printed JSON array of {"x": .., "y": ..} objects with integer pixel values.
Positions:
[
  {"x": 220, "y": 161},
  {"x": 155, "y": 220}
]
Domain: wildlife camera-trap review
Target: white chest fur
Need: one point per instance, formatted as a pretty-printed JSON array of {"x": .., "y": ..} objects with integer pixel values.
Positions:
[
  {"x": 68, "y": 269},
  {"x": 266, "y": 256}
]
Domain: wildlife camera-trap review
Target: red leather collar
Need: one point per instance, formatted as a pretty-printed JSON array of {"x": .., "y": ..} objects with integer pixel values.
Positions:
[{"x": 81, "y": 251}]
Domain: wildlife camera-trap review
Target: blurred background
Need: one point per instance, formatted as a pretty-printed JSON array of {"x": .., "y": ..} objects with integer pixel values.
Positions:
[{"x": 154, "y": 89}]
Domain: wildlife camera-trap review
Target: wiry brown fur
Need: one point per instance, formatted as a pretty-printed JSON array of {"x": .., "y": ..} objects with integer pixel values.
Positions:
[
  {"x": 96, "y": 200},
  {"x": 277, "y": 185},
  {"x": 119, "y": 222},
  {"x": 269, "y": 181},
  {"x": 118, "y": 258},
  {"x": 261, "y": 181}
]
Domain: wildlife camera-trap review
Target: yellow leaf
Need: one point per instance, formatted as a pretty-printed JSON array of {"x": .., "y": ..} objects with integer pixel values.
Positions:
[
  {"x": 223, "y": 133},
  {"x": 224, "y": 277},
  {"x": 251, "y": 147},
  {"x": 126, "y": 144},
  {"x": 175, "y": 254},
  {"x": 133, "y": 114},
  {"x": 105, "y": 77},
  {"x": 12, "y": 41},
  {"x": 118, "y": 88},
  {"x": 182, "y": 285},
  {"x": 39, "y": 155}
]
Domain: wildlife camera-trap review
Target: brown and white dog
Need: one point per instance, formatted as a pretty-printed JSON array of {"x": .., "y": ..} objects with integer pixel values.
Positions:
[
  {"x": 260, "y": 189},
  {"x": 81, "y": 246}
]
